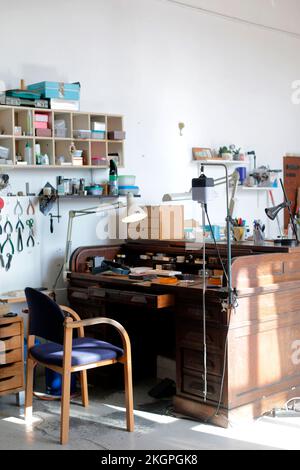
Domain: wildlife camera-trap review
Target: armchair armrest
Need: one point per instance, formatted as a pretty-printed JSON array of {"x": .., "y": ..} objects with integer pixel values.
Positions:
[{"x": 70, "y": 324}]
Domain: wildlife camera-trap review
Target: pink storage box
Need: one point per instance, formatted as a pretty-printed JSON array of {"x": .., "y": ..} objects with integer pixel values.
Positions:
[
  {"x": 39, "y": 117},
  {"x": 41, "y": 125}
]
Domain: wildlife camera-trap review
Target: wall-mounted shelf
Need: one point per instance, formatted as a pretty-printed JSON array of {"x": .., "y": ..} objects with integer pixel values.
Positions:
[
  {"x": 224, "y": 162},
  {"x": 55, "y": 147},
  {"x": 256, "y": 188}
]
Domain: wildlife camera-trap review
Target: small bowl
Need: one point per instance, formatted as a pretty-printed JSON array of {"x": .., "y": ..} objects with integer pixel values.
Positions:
[{"x": 77, "y": 153}]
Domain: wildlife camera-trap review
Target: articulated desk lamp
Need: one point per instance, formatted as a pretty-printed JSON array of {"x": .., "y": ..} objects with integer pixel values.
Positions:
[
  {"x": 134, "y": 214},
  {"x": 202, "y": 192},
  {"x": 273, "y": 212}
]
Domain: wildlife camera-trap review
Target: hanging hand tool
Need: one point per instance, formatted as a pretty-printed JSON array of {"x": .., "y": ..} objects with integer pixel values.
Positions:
[
  {"x": 9, "y": 259},
  {"x": 18, "y": 210},
  {"x": 30, "y": 239},
  {"x": 1, "y": 207},
  {"x": 8, "y": 229},
  {"x": 20, "y": 229},
  {"x": 30, "y": 208}
]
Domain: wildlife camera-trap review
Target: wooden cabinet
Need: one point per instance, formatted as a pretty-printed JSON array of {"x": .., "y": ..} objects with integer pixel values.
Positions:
[
  {"x": 11, "y": 355},
  {"x": 96, "y": 149}
]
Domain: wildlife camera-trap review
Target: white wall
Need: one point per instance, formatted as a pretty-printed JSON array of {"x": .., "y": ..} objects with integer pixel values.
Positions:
[{"x": 158, "y": 64}]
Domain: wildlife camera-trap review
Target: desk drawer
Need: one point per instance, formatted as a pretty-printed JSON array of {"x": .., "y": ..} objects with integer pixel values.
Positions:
[
  {"x": 11, "y": 383},
  {"x": 8, "y": 357},
  {"x": 14, "y": 342},
  {"x": 8, "y": 371},
  {"x": 10, "y": 329},
  {"x": 138, "y": 299},
  {"x": 194, "y": 361},
  {"x": 78, "y": 294},
  {"x": 194, "y": 385},
  {"x": 191, "y": 334}
]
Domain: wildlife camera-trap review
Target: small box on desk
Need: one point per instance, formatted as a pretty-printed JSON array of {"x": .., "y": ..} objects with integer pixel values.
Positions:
[{"x": 163, "y": 223}]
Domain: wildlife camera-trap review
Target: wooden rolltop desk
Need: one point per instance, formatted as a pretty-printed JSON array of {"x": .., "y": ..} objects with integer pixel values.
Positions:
[{"x": 253, "y": 351}]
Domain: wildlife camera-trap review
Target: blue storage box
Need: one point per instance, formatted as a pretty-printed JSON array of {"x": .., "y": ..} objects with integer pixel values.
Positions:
[{"x": 61, "y": 90}]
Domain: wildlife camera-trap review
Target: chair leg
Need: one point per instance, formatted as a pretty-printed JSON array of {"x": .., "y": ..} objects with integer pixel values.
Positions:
[
  {"x": 65, "y": 407},
  {"x": 128, "y": 396},
  {"x": 84, "y": 388},
  {"x": 29, "y": 389}
]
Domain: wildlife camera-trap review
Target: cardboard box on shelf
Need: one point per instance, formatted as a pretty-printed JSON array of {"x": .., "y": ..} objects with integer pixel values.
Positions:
[{"x": 163, "y": 223}]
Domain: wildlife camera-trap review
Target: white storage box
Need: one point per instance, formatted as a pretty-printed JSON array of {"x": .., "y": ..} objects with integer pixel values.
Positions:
[
  {"x": 60, "y": 132},
  {"x": 82, "y": 134},
  {"x": 4, "y": 152}
]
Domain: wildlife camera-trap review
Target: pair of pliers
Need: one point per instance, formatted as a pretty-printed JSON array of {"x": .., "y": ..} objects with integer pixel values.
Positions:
[
  {"x": 20, "y": 228},
  {"x": 30, "y": 239},
  {"x": 8, "y": 229},
  {"x": 30, "y": 208}
]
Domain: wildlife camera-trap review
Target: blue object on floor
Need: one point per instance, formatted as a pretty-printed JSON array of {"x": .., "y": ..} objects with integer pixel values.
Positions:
[{"x": 54, "y": 383}]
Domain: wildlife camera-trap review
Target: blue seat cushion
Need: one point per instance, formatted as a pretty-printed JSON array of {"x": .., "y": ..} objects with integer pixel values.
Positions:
[{"x": 84, "y": 351}]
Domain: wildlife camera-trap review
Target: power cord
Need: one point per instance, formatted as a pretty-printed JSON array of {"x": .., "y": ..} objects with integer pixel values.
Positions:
[
  {"x": 215, "y": 243},
  {"x": 208, "y": 420}
]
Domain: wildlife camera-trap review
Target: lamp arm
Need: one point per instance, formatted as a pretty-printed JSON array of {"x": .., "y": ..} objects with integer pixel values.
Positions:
[
  {"x": 228, "y": 229},
  {"x": 80, "y": 213}
]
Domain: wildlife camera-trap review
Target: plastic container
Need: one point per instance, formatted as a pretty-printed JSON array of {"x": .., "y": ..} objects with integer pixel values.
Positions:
[
  {"x": 77, "y": 153},
  {"x": 4, "y": 152},
  {"x": 100, "y": 135},
  {"x": 60, "y": 132},
  {"x": 28, "y": 154},
  {"x": 95, "y": 190},
  {"x": 124, "y": 190},
  {"x": 126, "y": 180},
  {"x": 82, "y": 134},
  {"x": 99, "y": 161}
]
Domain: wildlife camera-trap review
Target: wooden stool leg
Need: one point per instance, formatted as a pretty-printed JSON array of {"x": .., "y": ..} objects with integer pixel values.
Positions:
[
  {"x": 128, "y": 396},
  {"x": 84, "y": 388},
  {"x": 29, "y": 388}
]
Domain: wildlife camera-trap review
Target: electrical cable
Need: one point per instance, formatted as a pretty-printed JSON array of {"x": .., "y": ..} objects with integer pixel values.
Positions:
[
  {"x": 234, "y": 19},
  {"x": 208, "y": 420},
  {"x": 215, "y": 243},
  {"x": 228, "y": 326},
  {"x": 57, "y": 277}
]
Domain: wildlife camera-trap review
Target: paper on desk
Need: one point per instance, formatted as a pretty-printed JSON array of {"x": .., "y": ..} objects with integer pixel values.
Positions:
[{"x": 144, "y": 270}]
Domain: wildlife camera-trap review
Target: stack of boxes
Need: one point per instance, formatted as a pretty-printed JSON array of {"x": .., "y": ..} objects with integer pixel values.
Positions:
[
  {"x": 41, "y": 125},
  {"x": 163, "y": 223}
]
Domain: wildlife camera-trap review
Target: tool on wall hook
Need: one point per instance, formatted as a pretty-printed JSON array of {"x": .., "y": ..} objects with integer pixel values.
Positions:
[
  {"x": 52, "y": 217},
  {"x": 18, "y": 210},
  {"x": 30, "y": 208},
  {"x": 8, "y": 230},
  {"x": 30, "y": 239},
  {"x": 20, "y": 229}
]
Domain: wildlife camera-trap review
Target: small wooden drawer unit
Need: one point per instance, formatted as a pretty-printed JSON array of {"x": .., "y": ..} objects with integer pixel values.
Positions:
[{"x": 11, "y": 355}]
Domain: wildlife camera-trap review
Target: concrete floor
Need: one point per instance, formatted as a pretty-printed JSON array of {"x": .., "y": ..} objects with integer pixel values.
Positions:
[{"x": 101, "y": 427}]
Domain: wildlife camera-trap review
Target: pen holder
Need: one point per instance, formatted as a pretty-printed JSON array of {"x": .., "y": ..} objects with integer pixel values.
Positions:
[{"x": 239, "y": 234}]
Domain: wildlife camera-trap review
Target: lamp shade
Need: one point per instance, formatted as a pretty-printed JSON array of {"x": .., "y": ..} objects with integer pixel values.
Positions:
[
  {"x": 273, "y": 212},
  {"x": 135, "y": 212}
]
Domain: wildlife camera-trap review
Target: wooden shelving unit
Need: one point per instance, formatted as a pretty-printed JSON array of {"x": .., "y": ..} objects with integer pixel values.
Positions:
[{"x": 55, "y": 147}]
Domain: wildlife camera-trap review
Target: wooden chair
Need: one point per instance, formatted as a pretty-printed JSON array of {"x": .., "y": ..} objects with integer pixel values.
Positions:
[{"x": 65, "y": 355}]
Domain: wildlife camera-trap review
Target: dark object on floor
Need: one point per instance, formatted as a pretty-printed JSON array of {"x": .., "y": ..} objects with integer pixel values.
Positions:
[{"x": 166, "y": 388}]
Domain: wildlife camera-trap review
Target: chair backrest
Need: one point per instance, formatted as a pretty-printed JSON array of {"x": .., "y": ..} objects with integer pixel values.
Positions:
[{"x": 46, "y": 319}]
